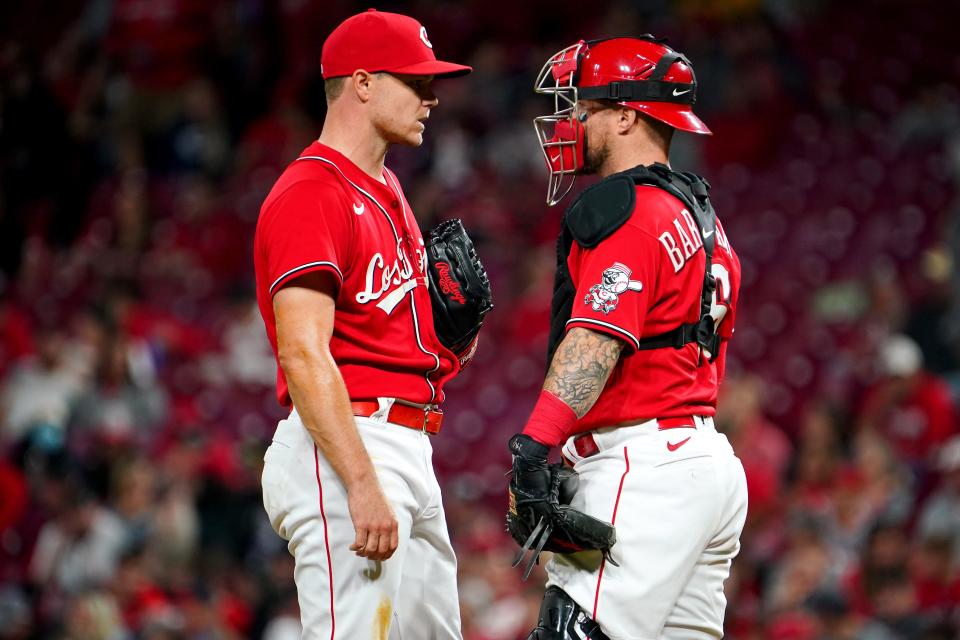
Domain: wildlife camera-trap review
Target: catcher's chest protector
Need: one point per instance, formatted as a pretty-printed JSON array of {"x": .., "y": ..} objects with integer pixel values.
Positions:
[{"x": 602, "y": 209}]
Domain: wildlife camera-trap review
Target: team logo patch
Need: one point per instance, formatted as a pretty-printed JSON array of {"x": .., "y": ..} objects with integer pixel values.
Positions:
[{"x": 615, "y": 281}]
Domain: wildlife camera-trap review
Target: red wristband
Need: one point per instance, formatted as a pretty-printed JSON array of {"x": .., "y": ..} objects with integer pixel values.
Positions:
[{"x": 552, "y": 420}]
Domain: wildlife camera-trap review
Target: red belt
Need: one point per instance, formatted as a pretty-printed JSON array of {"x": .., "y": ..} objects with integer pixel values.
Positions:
[
  {"x": 586, "y": 446},
  {"x": 419, "y": 417}
]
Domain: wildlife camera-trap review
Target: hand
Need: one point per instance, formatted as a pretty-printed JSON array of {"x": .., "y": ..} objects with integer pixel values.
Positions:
[
  {"x": 523, "y": 446},
  {"x": 531, "y": 478},
  {"x": 373, "y": 520},
  {"x": 540, "y": 517}
]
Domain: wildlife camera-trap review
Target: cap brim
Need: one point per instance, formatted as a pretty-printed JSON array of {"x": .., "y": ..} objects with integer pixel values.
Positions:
[
  {"x": 678, "y": 116},
  {"x": 436, "y": 68}
]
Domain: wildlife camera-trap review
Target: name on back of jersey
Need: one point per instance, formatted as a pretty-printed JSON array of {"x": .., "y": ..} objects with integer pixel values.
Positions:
[{"x": 683, "y": 241}]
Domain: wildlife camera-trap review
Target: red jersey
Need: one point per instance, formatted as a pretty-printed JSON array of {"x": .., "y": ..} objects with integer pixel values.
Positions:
[
  {"x": 325, "y": 214},
  {"x": 644, "y": 280}
]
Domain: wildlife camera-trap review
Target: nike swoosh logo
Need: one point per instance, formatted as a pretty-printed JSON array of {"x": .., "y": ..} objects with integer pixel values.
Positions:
[
  {"x": 358, "y": 208},
  {"x": 709, "y": 233},
  {"x": 673, "y": 447},
  {"x": 680, "y": 93},
  {"x": 554, "y": 158}
]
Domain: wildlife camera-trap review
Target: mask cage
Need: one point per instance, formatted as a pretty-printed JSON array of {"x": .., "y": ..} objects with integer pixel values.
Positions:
[{"x": 557, "y": 78}]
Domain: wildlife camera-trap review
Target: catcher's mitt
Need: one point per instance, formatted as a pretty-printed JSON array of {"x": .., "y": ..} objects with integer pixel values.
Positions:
[
  {"x": 459, "y": 287},
  {"x": 539, "y": 516}
]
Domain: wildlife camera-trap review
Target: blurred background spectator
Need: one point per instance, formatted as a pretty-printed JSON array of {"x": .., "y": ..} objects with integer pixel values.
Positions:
[{"x": 138, "y": 139}]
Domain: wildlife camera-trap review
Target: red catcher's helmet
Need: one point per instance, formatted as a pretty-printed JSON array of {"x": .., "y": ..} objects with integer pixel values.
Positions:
[{"x": 641, "y": 73}]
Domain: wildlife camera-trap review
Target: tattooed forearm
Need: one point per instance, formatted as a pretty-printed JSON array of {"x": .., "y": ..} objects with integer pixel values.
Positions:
[{"x": 581, "y": 366}]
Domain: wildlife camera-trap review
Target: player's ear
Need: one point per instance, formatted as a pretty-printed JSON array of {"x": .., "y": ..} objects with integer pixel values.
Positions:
[
  {"x": 627, "y": 119},
  {"x": 361, "y": 82}
]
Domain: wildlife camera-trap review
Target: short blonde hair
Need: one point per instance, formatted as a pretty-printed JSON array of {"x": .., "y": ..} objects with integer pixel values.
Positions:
[{"x": 333, "y": 87}]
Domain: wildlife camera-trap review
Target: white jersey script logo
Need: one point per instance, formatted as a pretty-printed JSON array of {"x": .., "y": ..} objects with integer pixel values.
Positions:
[{"x": 382, "y": 277}]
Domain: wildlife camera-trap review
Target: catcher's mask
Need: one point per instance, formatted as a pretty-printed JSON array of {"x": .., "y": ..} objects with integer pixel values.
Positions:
[{"x": 642, "y": 73}]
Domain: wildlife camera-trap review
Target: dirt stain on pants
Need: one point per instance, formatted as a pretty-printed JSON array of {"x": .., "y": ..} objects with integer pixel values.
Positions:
[{"x": 381, "y": 621}]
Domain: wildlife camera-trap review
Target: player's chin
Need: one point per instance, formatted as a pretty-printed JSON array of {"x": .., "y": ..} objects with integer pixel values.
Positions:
[
  {"x": 409, "y": 136},
  {"x": 413, "y": 139}
]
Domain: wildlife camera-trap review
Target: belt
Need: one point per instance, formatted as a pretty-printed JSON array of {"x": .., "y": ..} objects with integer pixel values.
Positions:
[
  {"x": 415, "y": 416},
  {"x": 585, "y": 445}
]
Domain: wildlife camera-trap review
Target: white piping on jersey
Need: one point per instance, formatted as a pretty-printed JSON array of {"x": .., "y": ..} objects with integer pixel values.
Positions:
[
  {"x": 416, "y": 323},
  {"x": 633, "y": 338},
  {"x": 357, "y": 187},
  {"x": 413, "y": 302},
  {"x": 306, "y": 266}
]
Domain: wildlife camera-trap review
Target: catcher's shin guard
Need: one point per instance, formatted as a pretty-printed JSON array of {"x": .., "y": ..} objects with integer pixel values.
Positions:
[{"x": 562, "y": 619}]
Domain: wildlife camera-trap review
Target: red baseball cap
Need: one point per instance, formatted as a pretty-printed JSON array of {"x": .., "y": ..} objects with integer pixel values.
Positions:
[{"x": 381, "y": 41}]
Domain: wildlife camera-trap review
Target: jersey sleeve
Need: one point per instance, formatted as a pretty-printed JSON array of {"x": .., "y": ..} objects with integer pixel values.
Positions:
[
  {"x": 614, "y": 282},
  {"x": 305, "y": 230}
]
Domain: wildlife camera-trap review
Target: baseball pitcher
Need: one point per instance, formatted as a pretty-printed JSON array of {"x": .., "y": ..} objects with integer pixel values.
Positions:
[{"x": 365, "y": 338}]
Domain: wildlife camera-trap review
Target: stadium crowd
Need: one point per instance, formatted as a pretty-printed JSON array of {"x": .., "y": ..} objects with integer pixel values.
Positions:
[{"x": 138, "y": 139}]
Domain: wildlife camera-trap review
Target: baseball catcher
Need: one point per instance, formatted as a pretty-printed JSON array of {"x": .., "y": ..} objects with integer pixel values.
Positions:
[{"x": 644, "y": 300}]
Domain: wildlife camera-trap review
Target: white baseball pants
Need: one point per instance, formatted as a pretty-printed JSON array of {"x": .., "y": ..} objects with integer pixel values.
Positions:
[
  {"x": 678, "y": 499},
  {"x": 411, "y": 596}
]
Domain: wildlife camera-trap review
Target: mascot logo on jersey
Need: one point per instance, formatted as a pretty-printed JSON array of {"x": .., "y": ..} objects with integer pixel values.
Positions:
[{"x": 614, "y": 282}]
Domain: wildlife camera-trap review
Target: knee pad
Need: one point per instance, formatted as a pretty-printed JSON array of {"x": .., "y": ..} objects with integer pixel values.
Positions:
[{"x": 562, "y": 619}]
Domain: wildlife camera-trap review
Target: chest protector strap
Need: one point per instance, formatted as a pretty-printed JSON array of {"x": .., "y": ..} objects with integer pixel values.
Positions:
[{"x": 605, "y": 207}]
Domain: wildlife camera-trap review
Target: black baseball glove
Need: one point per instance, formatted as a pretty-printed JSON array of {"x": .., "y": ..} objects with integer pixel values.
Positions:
[
  {"x": 539, "y": 516},
  {"x": 459, "y": 288}
]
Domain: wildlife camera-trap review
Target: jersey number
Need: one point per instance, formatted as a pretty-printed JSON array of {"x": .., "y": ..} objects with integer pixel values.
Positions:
[{"x": 721, "y": 295}]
